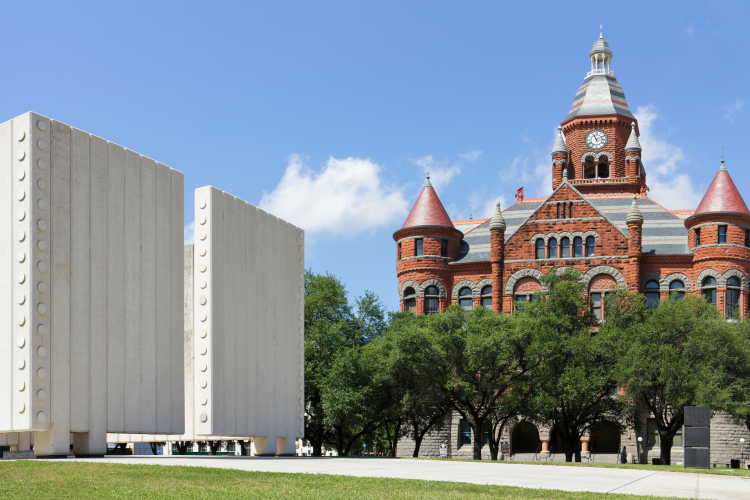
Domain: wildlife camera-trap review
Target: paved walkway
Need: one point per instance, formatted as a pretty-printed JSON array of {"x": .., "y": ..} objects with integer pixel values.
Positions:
[{"x": 603, "y": 480}]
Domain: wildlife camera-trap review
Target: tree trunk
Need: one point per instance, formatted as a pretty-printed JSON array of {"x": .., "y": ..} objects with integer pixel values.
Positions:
[
  {"x": 476, "y": 427},
  {"x": 153, "y": 448},
  {"x": 243, "y": 447},
  {"x": 417, "y": 439},
  {"x": 317, "y": 447},
  {"x": 182, "y": 447},
  {"x": 213, "y": 447},
  {"x": 665, "y": 446}
]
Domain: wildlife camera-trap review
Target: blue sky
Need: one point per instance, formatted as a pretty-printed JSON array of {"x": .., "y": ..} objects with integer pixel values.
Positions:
[{"x": 327, "y": 113}]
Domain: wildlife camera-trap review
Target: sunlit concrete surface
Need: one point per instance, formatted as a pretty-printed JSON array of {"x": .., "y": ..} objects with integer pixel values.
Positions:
[{"x": 603, "y": 480}]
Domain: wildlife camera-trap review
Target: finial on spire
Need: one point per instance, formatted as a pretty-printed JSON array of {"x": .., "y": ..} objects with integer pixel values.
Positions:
[
  {"x": 427, "y": 182},
  {"x": 634, "y": 214},
  {"x": 601, "y": 25},
  {"x": 497, "y": 223},
  {"x": 565, "y": 175}
]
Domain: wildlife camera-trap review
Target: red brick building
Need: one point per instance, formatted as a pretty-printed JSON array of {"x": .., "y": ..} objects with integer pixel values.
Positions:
[{"x": 598, "y": 220}]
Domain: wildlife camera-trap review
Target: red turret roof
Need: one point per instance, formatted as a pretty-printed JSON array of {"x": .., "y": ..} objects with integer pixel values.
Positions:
[
  {"x": 722, "y": 196},
  {"x": 428, "y": 211}
]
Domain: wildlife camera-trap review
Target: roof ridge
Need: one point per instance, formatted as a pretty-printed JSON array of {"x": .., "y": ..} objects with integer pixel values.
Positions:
[{"x": 480, "y": 220}]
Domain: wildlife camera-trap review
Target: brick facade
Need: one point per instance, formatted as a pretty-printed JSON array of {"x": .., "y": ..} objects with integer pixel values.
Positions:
[{"x": 590, "y": 189}]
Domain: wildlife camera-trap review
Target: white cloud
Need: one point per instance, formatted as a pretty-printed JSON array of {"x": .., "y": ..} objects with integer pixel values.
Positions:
[
  {"x": 470, "y": 156},
  {"x": 731, "y": 110},
  {"x": 692, "y": 30},
  {"x": 189, "y": 233},
  {"x": 531, "y": 170},
  {"x": 661, "y": 160},
  {"x": 346, "y": 197},
  {"x": 441, "y": 172}
]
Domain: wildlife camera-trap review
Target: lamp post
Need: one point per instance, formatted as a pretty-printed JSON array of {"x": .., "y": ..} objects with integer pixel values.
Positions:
[
  {"x": 742, "y": 451},
  {"x": 640, "y": 448},
  {"x": 375, "y": 447}
]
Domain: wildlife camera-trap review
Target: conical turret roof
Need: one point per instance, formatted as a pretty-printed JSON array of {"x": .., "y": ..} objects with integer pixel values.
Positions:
[
  {"x": 559, "y": 146},
  {"x": 633, "y": 142},
  {"x": 722, "y": 196},
  {"x": 428, "y": 210}
]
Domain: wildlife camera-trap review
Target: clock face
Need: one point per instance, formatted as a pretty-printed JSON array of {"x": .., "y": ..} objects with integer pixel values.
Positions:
[{"x": 596, "y": 139}]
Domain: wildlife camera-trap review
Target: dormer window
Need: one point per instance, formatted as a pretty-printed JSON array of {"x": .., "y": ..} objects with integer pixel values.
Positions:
[
  {"x": 418, "y": 247},
  {"x": 722, "y": 234},
  {"x": 444, "y": 248},
  {"x": 698, "y": 237}
]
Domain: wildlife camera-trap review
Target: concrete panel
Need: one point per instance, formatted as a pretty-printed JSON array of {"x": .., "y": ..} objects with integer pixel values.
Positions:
[
  {"x": 98, "y": 296},
  {"x": 252, "y": 297},
  {"x": 6, "y": 278},
  {"x": 177, "y": 283},
  {"x": 148, "y": 295},
  {"x": 246, "y": 317},
  {"x": 163, "y": 299},
  {"x": 115, "y": 288},
  {"x": 240, "y": 350},
  {"x": 131, "y": 353},
  {"x": 92, "y": 288},
  {"x": 57, "y": 439},
  {"x": 79, "y": 280}
]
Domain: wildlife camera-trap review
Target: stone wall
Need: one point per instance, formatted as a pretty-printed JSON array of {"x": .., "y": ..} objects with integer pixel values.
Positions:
[{"x": 725, "y": 444}]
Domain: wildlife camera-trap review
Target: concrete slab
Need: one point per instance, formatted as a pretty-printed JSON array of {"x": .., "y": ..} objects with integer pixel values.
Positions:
[{"x": 594, "y": 479}]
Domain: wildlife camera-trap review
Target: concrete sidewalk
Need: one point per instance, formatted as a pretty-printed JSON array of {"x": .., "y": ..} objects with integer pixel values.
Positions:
[{"x": 602, "y": 480}]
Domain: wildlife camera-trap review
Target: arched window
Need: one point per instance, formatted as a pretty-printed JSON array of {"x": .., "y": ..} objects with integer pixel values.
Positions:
[
  {"x": 552, "y": 248},
  {"x": 652, "y": 294},
  {"x": 487, "y": 297},
  {"x": 590, "y": 246},
  {"x": 410, "y": 300},
  {"x": 431, "y": 300},
  {"x": 732, "y": 302},
  {"x": 677, "y": 290},
  {"x": 465, "y": 300},
  {"x": 540, "y": 248},
  {"x": 577, "y": 247},
  {"x": 603, "y": 170},
  {"x": 709, "y": 289},
  {"x": 565, "y": 248}
]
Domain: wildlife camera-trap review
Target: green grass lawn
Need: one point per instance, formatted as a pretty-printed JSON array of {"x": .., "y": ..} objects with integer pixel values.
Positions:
[
  {"x": 724, "y": 471},
  {"x": 82, "y": 480}
]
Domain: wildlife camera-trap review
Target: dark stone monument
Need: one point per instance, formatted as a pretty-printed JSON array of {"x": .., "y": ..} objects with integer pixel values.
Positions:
[{"x": 697, "y": 437}]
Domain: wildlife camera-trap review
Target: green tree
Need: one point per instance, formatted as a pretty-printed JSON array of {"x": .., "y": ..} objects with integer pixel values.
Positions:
[
  {"x": 328, "y": 332},
  {"x": 574, "y": 383},
  {"x": 739, "y": 406},
  {"x": 342, "y": 402},
  {"x": 474, "y": 359},
  {"x": 418, "y": 405},
  {"x": 681, "y": 353}
]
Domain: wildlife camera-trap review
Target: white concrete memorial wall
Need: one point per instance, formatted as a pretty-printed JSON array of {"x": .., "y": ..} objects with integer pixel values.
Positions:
[
  {"x": 248, "y": 367},
  {"x": 91, "y": 289}
]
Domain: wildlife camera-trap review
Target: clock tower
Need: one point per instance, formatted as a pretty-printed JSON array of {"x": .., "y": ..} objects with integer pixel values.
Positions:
[{"x": 600, "y": 132}]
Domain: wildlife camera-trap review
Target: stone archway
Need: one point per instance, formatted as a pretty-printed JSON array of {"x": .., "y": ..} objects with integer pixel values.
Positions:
[
  {"x": 525, "y": 438},
  {"x": 605, "y": 438}
]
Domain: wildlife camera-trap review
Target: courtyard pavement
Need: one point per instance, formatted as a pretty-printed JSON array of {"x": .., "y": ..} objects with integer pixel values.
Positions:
[{"x": 555, "y": 477}]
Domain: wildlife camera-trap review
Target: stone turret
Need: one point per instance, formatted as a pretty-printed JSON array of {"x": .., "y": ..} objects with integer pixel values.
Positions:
[
  {"x": 497, "y": 257},
  {"x": 634, "y": 220},
  {"x": 718, "y": 235},
  {"x": 559, "y": 158},
  {"x": 426, "y": 243}
]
